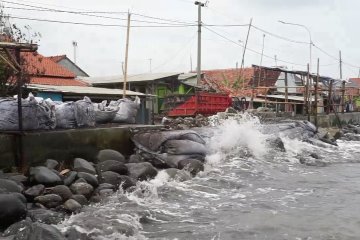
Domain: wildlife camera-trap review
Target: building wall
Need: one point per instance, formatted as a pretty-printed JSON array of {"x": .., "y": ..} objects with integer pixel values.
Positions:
[{"x": 70, "y": 66}]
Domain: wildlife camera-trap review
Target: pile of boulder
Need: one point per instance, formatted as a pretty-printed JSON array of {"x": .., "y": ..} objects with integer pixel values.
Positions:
[
  {"x": 185, "y": 123},
  {"x": 45, "y": 195}
]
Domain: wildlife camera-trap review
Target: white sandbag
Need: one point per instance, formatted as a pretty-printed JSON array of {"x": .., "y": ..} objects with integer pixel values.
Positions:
[
  {"x": 104, "y": 116},
  {"x": 34, "y": 116},
  {"x": 184, "y": 147},
  {"x": 84, "y": 113},
  {"x": 127, "y": 110},
  {"x": 65, "y": 115}
]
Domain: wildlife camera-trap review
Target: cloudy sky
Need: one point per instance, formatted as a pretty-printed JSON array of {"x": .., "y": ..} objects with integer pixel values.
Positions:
[{"x": 101, "y": 49}]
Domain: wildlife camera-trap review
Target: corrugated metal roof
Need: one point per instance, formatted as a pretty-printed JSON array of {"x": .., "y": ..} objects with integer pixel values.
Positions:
[
  {"x": 83, "y": 90},
  {"x": 293, "y": 98},
  {"x": 185, "y": 76},
  {"x": 145, "y": 77}
]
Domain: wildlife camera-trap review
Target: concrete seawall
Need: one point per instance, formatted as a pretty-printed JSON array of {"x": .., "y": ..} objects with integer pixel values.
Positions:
[
  {"x": 332, "y": 121},
  {"x": 65, "y": 145}
]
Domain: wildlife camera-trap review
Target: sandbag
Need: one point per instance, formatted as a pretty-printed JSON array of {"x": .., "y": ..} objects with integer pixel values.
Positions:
[
  {"x": 184, "y": 147},
  {"x": 65, "y": 115},
  {"x": 84, "y": 113},
  {"x": 127, "y": 110},
  {"x": 104, "y": 114},
  {"x": 35, "y": 116}
]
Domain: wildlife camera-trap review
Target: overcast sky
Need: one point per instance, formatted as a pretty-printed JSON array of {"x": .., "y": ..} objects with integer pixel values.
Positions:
[{"x": 101, "y": 50}]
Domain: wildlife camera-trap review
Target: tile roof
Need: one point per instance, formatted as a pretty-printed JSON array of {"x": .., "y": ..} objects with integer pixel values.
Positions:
[
  {"x": 39, "y": 65},
  {"x": 57, "y": 58},
  {"x": 56, "y": 81},
  {"x": 355, "y": 82},
  {"x": 229, "y": 80}
]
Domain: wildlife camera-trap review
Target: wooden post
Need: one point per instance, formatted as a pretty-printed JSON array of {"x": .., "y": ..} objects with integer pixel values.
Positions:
[
  {"x": 343, "y": 97},
  {"x": 330, "y": 97},
  {"x": 316, "y": 94},
  {"x": 20, "y": 161},
  {"x": 306, "y": 92},
  {"x": 286, "y": 92},
  {"x": 126, "y": 54}
]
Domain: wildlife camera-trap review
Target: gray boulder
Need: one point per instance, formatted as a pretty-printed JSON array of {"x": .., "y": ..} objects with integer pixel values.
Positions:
[
  {"x": 192, "y": 165},
  {"x": 109, "y": 154},
  {"x": 82, "y": 188},
  {"x": 12, "y": 209},
  {"x": 51, "y": 164},
  {"x": 63, "y": 191},
  {"x": 45, "y": 216},
  {"x": 49, "y": 200},
  {"x": 135, "y": 159},
  {"x": 19, "y": 178},
  {"x": 80, "y": 199},
  {"x": 70, "y": 178},
  {"x": 16, "y": 227},
  {"x": 141, "y": 171},
  {"x": 81, "y": 180},
  {"x": 72, "y": 206},
  {"x": 105, "y": 186},
  {"x": 116, "y": 180},
  {"x": 178, "y": 175},
  {"x": 89, "y": 178},
  {"x": 37, "y": 231},
  {"x": 10, "y": 186},
  {"x": 184, "y": 147},
  {"x": 112, "y": 165},
  {"x": 34, "y": 191},
  {"x": 43, "y": 175},
  {"x": 73, "y": 234},
  {"x": 81, "y": 165}
]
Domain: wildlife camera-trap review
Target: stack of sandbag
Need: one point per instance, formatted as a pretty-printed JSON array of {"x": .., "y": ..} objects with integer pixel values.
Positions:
[
  {"x": 104, "y": 114},
  {"x": 75, "y": 114},
  {"x": 127, "y": 110},
  {"x": 172, "y": 149},
  {"x": 36, "y": 115}
]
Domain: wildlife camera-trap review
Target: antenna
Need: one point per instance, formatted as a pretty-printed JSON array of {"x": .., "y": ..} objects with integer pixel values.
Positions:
[{"x": 75, "y": 44}]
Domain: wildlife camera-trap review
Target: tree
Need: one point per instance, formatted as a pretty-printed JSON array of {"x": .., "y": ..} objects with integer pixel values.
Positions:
[{"x": 8, "y": 72}]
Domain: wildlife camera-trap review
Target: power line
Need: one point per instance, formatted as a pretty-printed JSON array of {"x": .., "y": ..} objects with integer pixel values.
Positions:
[
  {"x": 251, "y": 50},
  {"x": 278, "y": 36},
  {"x": 97, "y": 24}
]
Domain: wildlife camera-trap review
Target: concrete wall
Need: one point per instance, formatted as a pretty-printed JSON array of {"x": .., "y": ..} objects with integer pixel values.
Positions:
[
  {"x": 332, "y": 121},
  {"x": 65, "y": 145}
]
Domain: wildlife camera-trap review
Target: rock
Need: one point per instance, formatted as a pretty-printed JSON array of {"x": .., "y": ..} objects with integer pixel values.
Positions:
[
  {"x": 141, "y": 171},
  {"x": 63, "y": 191},
  {"x": 45, "y": 216},
  {"x": 315, "y": 155},
  {"x": 72, "y": 206},
  {"x": 16, "y": 227},
  {"x": 81, "y": 165},
  {"x": 95, "y": 198},
  {"x": 51, "y": 164},
  {"x": 116, "y": 180},
  {"x": 172, "y": 161},
  {"x": 277, "y": 143},
  {"x": 192, "y": 165},
  {"x": 81, "y": 180},
  {"x": 338, "y": 135},
  {"x": 73, "y": 234},
  {"x": 39, "y": 231},
  {"x": 34, "y": 191},
  {"x": 49, "y": 200},
  {"x": 19, "y": 178},
  {"x": 109, "y": 154},
  {"x": 10, "y": 186},
  {"x": 135, "y": 159},
  {"x": 105, "y": 192},
  {"x": 70, "y": 178},
  {"x": 43, "y": 175},
  {"x": 105, "y": 186},
  {"x": 178, "y": 175},
  {"x": 89, "y": 178},
  {"x": 12, "y": 209},
  {"x": 82, "y": 188},
  {"x": 80, "y": 199},
  {"x": 112, "y": 165}
]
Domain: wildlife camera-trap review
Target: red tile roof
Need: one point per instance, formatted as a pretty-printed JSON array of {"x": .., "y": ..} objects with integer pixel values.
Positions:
[
  {"x": 43, "y": 70},
  {"x": 57, "y": 58},
  {"x": 230, "y": 80}
]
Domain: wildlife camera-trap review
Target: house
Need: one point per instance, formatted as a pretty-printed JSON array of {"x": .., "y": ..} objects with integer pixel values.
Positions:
[{"x": 64, "y": 61}]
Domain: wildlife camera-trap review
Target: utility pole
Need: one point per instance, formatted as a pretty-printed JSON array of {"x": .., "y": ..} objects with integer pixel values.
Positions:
[
  {"x": 200, "y": 5},
  {"x": 316, "y": 94},
  {"x": 243, "y": 56},
  {"x": 191, "y": 67},
  {"x": 74, "y": 43},
  {"x": 343, "y": 84},
  {"x": 261, "y": 59},
  {"x": 276, "y": 60},
  {"x": 340, "y": 59},
  {"x": 126, "y": 54}
]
